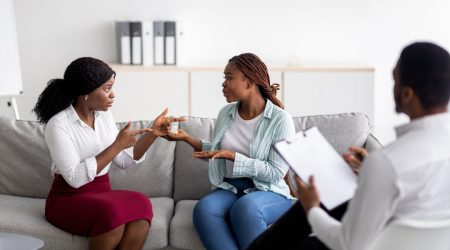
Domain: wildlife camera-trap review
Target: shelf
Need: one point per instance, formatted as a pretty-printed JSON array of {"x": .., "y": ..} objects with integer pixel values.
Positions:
[{"x": 137, "y": 68}]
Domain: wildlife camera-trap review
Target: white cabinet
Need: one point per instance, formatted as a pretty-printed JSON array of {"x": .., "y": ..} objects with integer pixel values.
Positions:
[
  {"x": 142, "y": 95},
  {"x": 143, "y": 92},
  {"x": 206, "y": 91},
  {"x": 328, "y": 91}
]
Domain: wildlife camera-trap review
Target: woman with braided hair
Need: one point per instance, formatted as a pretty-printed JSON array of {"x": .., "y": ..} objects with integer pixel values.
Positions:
[
  {"x": 244, "y": 169},
  {"x": 83, "y": 141}
]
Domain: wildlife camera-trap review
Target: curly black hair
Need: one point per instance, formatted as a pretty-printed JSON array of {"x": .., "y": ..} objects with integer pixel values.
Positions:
[{"x": 81, "y": 77}]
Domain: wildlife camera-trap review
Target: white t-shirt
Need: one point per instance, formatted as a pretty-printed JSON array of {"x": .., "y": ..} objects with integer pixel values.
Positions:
[
  {"x": 238, "y": 138},
  {"x": 73, "y": 146}
]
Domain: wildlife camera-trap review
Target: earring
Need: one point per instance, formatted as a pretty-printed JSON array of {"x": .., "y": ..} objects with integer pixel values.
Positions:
[{"x": 85, "y": 97}]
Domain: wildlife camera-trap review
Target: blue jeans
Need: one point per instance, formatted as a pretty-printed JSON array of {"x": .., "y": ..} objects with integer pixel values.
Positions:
[{"x": 225, "y": 220}]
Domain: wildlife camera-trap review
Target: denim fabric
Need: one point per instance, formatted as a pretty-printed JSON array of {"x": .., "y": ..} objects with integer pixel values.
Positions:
[{"x": 225, "y": 220}]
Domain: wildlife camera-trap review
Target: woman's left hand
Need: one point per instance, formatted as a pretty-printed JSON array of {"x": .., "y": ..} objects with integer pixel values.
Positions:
[{"x": 216, "y": 154}]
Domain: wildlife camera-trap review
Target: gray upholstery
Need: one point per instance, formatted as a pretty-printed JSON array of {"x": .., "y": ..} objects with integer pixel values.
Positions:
[
  {"x": 26, "y": 216},
  {"x": 182, "y": 231},
  {"x": 24, "y": 159},
  {"x": 341, "y": 130},
  {"x": 191, "y": 182},
  {"x": 169, "y": 173},
  {"x": 154, "y": 176}
]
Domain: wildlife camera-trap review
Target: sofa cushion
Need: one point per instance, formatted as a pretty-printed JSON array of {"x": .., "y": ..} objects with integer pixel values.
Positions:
[
  {"x": 182, "y": 232},
  {"x": 153, "y": 176},
  {"x": 24, "y": 159},
  {"x": 26, "y": 216},
  {"x": 158, "y": 237},
  {"x": 191, "y": 175}
]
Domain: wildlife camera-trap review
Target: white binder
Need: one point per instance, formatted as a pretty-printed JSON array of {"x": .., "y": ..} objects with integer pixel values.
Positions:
[
  {"x": 309, "y": 153},
  {"x": 147, "y": 43},
  {"x": 158, "y": 36}
]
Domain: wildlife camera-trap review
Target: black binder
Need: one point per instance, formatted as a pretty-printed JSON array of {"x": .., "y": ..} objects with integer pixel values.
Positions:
[
  {"x": 136, "y": 43},
  {"x": 123, "y": 42}
]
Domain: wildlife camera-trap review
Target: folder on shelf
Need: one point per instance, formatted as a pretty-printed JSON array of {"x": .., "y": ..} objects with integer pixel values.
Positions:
[
  {"x": 147, "y": 43},
  {"x": 181, "y": 50},
  {"x": 158, "y": 42},
  {"x": 136, "y": 42},
  {"x": 309, "y": 153},
  {"x": 123, "y": 41},
  {"x": 170, "y": 43}
]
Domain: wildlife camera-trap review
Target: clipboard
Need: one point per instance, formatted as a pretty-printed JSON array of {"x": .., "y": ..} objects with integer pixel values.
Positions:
[{"x": 309, "y": 153}]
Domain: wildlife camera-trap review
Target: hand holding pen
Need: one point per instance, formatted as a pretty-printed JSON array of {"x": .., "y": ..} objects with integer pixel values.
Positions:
[{"x": 354, "y": 158}]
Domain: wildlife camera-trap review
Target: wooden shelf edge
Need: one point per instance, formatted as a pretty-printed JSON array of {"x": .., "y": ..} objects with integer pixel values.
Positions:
[{"x": 139, "y": 68}]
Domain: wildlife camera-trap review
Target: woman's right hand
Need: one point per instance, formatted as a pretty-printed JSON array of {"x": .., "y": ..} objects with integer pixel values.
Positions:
[
  {"x": 127, "y": 137},
  {"x": 180, "y": 136},
  {"x": 354, "y": 158}
]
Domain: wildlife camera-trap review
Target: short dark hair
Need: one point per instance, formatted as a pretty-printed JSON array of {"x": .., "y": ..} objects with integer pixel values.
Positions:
[
  {"x": 81, "y": 77},
  {"x": 425, "y": 67}
]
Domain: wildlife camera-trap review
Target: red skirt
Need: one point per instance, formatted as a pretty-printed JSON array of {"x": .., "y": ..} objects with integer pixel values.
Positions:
[{"x": 94, "y": 208}]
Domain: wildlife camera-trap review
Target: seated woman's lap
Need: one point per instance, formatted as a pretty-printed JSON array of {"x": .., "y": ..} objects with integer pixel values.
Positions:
[
  {"x": 253, "y": 212},
  {"x": 91, "y": 214},
  {"x": 249, "y": 214}
]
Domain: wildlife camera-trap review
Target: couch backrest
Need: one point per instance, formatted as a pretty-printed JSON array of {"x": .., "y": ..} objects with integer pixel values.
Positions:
[
  {"x": 168, "y": 170},
  {"x": 24, "y": 159},
  {"x": 25, "y": 163},
  {"x": 154, "y": 176},
  {"x": 191, "y": 177}
]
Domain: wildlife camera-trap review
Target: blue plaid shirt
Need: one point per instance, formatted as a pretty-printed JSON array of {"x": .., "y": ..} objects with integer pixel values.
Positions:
[{"x": 264, "y": 166}]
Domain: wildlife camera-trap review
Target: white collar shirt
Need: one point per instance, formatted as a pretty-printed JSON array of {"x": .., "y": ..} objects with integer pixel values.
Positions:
[
  {"x": 408, "y": 179},
  {"x": 74, "y": 146}
]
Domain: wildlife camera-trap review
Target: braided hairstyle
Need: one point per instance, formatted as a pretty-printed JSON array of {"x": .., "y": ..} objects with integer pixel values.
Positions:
[
  {"x": 254, "y": 69},
  {"x": 81, "y": 77}
]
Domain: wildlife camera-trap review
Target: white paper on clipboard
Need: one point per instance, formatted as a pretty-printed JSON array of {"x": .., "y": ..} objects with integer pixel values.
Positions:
[{"x": 309, "y": 153}]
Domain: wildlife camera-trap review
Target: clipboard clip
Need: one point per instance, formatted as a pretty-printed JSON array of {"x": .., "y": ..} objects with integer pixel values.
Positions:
[{"x": 293, "y": 139}]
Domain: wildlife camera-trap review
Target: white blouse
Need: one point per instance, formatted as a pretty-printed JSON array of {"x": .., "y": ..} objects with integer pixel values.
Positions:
[{"x": 74, "y": 145}]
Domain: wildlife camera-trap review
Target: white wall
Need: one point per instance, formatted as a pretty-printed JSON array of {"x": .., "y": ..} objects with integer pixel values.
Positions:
[{"x": 322, "y": 32}]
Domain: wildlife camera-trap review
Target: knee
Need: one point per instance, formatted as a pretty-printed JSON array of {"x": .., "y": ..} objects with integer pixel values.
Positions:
[
  {"x": 246, "y": 208},
  {"x": 118, "y": 232},
  {"x": 201, "y": 209},
  {"x": 206, "y": 206},
  {"x": 143, "y": 225},
  {"x": 206, "y": 211},
  {"x": 137, "y": 229}
]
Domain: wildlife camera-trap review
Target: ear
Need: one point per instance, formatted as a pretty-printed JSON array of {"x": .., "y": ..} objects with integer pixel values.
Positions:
[
  {"x": 407, "y": 95},
  {"x": 249, "y": 83}
]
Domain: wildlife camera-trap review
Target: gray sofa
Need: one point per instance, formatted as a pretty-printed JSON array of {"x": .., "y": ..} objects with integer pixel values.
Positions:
[{"x": 169, "y": 175}]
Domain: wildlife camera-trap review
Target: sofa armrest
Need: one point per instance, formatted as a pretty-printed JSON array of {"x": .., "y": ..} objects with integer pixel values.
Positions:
[{"x": 372, "y": 143}]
